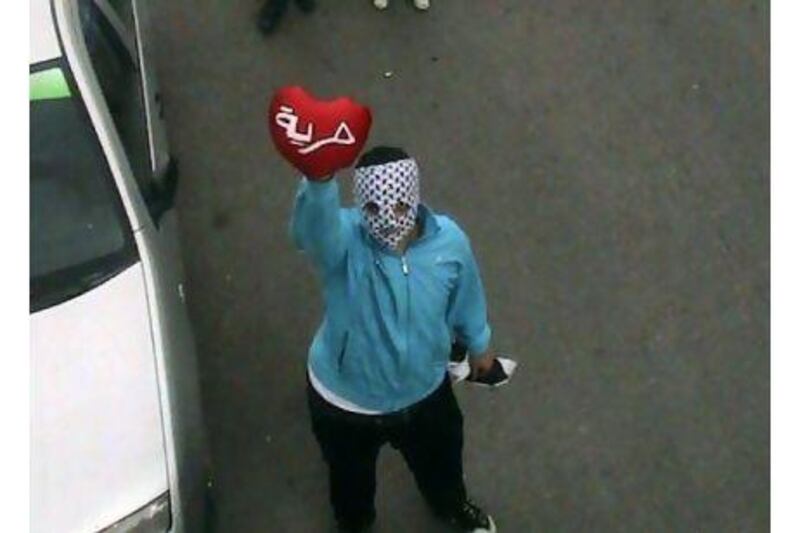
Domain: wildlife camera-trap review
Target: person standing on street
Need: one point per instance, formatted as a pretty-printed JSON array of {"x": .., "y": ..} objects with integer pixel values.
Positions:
[{"x": 400, "y": 285}]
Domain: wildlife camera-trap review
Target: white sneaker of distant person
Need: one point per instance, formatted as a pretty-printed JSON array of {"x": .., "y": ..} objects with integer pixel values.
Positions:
[{"x": 422, "y": 5}]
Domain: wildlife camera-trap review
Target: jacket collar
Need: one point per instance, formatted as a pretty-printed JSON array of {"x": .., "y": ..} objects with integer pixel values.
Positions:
[{"x": 427, "y": 218}]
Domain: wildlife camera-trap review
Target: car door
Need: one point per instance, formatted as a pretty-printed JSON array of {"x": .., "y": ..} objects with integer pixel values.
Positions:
[
  {"x": 119, "y": 29},
  {"x": 132, "y": 19}
]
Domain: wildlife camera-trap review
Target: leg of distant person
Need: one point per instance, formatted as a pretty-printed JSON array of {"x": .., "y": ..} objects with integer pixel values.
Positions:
[
  {"x": 271, "y": 14},
  {"x": 306, "y": 6}
]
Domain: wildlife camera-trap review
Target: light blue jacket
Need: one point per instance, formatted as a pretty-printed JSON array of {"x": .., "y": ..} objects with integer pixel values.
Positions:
[{"x": 389, "y": 321}]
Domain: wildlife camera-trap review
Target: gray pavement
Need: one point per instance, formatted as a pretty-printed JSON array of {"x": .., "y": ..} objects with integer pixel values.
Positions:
[{"x": 610, "y": 161}]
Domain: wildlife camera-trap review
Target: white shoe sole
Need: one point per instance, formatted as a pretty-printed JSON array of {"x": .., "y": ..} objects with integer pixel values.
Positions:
[{"x": 492, "y": 527}]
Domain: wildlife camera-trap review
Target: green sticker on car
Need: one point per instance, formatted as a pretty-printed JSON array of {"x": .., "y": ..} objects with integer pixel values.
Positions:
[{"x": 48, "y": 85}]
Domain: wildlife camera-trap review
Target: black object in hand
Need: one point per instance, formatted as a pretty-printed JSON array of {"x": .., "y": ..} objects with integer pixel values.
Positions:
[{"x": 495, "y": 376}]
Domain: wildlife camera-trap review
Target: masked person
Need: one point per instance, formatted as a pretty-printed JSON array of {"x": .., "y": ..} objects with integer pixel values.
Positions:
[{"x": 400, "y": 284}]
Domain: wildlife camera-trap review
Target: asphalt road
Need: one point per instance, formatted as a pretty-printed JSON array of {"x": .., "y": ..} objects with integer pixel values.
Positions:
[{"x": 610, "y": 161}]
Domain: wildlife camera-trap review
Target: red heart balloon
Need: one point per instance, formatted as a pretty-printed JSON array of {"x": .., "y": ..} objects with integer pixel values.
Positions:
[{"x": 317, "y": 137}]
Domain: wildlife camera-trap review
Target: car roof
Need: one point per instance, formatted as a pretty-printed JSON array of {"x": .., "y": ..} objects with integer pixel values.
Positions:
[{"x": 44, "y": 41}]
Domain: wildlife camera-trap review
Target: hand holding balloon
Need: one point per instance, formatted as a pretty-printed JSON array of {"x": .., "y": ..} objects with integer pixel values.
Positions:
[{"x": 317, "y": 137}]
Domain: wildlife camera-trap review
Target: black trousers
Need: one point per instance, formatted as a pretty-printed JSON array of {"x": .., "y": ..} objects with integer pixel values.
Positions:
[{"x": 429, "y": 435}]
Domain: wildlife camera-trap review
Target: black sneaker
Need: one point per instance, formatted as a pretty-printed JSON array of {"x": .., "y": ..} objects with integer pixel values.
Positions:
[
  {"x": 355, "y": 529},
  {"x": 471, "y": 518},
  {"x": 270, "y": 15},
  {"x": 363, "y": 525},
  {"x": 306, "y": 6}
]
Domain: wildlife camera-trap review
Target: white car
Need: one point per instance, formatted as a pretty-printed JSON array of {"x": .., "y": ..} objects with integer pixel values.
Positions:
[{"x": 117, "y": 436}]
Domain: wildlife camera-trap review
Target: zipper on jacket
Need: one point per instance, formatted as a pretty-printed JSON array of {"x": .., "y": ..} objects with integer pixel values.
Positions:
[{"x": 405, "y": 265}]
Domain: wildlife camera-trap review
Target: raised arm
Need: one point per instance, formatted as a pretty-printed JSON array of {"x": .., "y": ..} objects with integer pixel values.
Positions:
[{"x": 316, "y": 226}]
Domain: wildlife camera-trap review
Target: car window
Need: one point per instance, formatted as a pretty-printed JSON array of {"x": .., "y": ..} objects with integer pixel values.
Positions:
[
  {"x": 120, "y": 81},
  {"x": 79, "y": 234}
]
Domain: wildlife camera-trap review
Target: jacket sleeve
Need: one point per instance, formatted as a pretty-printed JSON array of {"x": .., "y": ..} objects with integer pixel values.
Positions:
[
  {"x": 316, "y": 226},
  {"x": 467, "y": 314}
]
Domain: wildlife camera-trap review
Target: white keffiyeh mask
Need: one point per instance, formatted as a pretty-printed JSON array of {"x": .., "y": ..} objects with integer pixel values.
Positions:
[{"x": 387, "y": 185}]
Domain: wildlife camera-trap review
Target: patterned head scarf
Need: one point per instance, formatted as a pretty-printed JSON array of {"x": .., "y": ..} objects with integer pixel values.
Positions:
[{"x": 386, "y": 185}]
